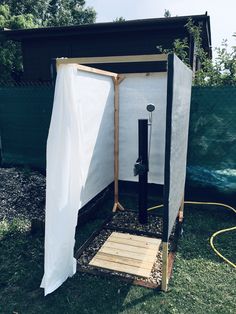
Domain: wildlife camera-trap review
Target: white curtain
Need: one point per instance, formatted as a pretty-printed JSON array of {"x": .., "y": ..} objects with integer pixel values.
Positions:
[{"x": 79, "y": 163}]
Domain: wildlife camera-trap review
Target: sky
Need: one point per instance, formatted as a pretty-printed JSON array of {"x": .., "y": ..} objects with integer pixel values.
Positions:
[{"x": 222, "y": 13}]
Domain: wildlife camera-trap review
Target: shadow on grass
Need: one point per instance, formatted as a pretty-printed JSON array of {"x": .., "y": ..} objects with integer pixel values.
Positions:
[
  {"x": 21, "y": 271},
  {"x": 199, "y": 226}
]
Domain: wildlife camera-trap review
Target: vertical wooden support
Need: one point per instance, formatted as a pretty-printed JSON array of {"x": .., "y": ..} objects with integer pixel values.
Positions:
[
  {"x": 117, "y": 205},
  {"x": 116, "y": 143},
  {"x": 165, "y": 275},
  {"x": 181, "y": 211}
]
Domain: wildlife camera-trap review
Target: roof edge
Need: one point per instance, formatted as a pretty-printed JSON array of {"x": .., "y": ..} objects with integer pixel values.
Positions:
[{"x": 99, "y": 26}]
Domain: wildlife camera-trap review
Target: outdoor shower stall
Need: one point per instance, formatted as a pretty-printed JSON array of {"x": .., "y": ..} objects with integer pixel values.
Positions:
[{"x": 92, "y": 143}]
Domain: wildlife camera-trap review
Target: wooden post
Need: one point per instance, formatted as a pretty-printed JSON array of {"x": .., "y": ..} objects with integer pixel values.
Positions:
[
  {"x": 181, "y": 211},
  {"x": 116, "y": 143},
  {"x": 165, "y": 275},
  {"x": 117, "y": 205}
]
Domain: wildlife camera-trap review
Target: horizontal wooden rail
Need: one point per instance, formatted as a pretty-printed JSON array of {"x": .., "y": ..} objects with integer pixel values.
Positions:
[{"x": 114, "y": 59}]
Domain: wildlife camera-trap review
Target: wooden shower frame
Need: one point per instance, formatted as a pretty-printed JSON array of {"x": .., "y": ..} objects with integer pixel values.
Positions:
[{"x": 117, "y": 79}]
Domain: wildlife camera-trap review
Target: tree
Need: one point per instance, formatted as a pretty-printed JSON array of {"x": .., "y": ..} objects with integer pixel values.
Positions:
[
  {"x": 221, "y": 71},
  {"x": 217, "y": 72},
  {"x": 16, "y": 14},
  {"x": 167, "y": 13},
  {"x": 119, "y": 19},
  {"x": 52, "y": 12},
  {"x": 68, "y": 12},
  {"x": 10, "y": 52}
]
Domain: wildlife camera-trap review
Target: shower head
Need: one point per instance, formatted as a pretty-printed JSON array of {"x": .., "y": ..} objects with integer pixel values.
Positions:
[{"x": 150, "y": 108}]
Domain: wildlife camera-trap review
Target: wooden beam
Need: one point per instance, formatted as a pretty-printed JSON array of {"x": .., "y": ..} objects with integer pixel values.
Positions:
[
  {"x": 165, "y": 275},
  {"x": 114, "y": 59},
  {"x": 88, "y": 69},
  {"x": 96, "y": 71}
]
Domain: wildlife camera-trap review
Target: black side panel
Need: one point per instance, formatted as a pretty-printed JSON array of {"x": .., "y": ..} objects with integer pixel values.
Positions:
[{"x": 170, "y": 81}]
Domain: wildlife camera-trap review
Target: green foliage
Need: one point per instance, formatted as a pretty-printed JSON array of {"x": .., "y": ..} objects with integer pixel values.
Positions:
[
  {"x": 68, "y": 12},
  {"x": 51, "y": 12},
  {"x": 221, "y": 71},
  {"x": 167, "y": 13},
  {"x": 10, "y": 52},
  {"x": 180, "y": 48},
  {"x": 4, "y": 14},
  {"x": 119, "y": 19},
  {"x": 35, "y": 13},
  {"x": 10, "y": 61},
  {"x": 22, "y": 21},
  {"x": 218, "y": 72}
]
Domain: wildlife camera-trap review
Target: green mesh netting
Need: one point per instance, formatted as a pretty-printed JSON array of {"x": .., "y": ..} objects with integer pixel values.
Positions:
[
  {"x": 212, "y": 138},
  {"x": 25, "y": 115}
]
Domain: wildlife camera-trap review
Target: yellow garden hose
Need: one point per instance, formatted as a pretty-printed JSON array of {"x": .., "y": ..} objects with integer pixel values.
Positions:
[{"x": 217, "y": 232}]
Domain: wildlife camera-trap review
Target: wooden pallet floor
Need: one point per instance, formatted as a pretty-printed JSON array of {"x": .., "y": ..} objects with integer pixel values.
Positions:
[{"x": 127, "y": 253}]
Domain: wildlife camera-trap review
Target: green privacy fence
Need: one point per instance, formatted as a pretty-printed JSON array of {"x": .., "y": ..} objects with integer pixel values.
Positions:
[
  {"x": 25, "y": 112},
  {"x": 212, "y": 138},
  {"x": 25, "y": 116}
]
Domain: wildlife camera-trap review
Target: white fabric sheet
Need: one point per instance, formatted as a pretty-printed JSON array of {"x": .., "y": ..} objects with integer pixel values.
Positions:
[
  {"x": 79, "y": 162},
  {"x": 136, "y": 91},
  {"x": 182, "y": 83}
]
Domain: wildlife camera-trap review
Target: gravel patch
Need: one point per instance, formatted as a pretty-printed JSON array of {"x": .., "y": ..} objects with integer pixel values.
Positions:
[
  {"x": 87, "y": 255},
  {"x": 129, "y": 220},
  {"x": 22, "y": 194}
]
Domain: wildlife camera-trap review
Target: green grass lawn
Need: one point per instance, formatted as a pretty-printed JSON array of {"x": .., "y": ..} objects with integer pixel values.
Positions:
[{"x": 201, "y": 282}]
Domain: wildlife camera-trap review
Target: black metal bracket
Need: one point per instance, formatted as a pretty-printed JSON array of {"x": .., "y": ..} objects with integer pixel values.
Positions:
[{"x": 139, "y": 167}]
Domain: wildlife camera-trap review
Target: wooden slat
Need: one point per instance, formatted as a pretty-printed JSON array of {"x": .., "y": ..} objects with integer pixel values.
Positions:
[
  {"x": 136, "y": 238},
  {"x": 139, "y": 244},
  {"x": 134, "y": 255},
  {"x": 125, "y": 260},
  {"x": 130, "y": 248},
  {"x": 120, "y": 267}
]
